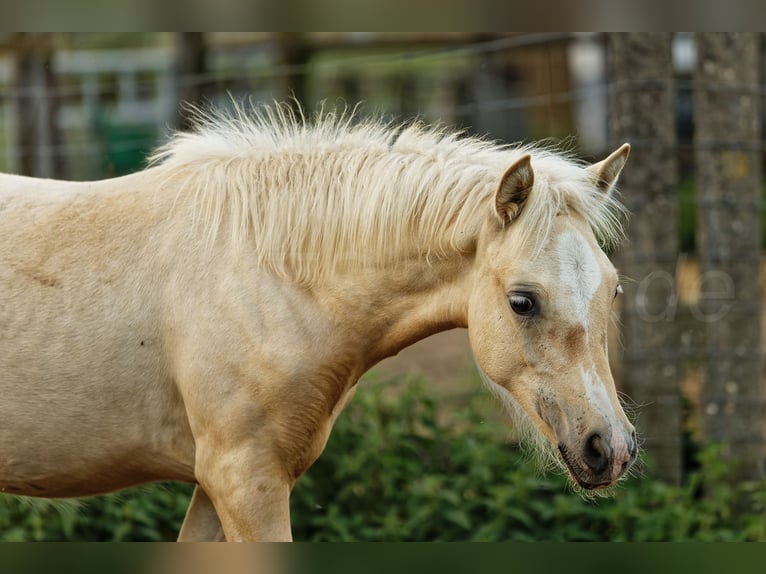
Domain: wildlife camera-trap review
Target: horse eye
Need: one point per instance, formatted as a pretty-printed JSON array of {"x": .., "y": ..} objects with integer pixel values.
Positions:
[
  {"x": 523, "y": 304},
  {"x": 618, "y": 291}
]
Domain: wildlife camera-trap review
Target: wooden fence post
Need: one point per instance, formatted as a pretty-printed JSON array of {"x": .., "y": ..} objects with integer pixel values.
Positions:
[
  {"x": 730, "y": 190},
  {"x": 295, "y": 53},
  {"x": 641, "y": 98},
  {"x": 37, "y": 134},
  {"x": 189, "y": 66}
]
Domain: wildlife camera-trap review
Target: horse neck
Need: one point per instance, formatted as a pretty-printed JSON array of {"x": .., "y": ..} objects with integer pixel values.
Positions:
[{"x": 395, "y": 307}]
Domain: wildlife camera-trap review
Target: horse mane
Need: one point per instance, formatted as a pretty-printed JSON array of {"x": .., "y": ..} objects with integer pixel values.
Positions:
[{"x": 339, "y": 191}]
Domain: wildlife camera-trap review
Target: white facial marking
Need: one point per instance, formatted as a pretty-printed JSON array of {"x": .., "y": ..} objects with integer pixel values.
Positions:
[
  {"x": 595, "y": 392},
  {"x": 579, "y": 271}
]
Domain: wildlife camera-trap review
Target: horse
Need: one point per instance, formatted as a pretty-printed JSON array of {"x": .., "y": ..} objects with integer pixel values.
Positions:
[{"x": 207, "y": 318}]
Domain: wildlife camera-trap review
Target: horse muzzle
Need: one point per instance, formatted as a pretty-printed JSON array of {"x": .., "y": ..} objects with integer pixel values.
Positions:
[{"x": 598, "y": 462}]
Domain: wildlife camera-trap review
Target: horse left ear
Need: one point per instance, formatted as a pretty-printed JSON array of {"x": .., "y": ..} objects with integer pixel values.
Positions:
[
  {"x": 514, "y": 189},
  {"x": 608, "y": 170}
]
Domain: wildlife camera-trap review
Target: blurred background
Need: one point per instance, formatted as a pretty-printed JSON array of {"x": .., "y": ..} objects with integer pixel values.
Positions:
[{"x": 425, "y": 454}]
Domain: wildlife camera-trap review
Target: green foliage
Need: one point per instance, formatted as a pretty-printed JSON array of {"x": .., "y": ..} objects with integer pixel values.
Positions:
[
  {"x": 394, "y": 471},
  {"x": 397, "y": 468},
  {"x": 149, "y": 513},
  {"x": 687, "y": 215}
]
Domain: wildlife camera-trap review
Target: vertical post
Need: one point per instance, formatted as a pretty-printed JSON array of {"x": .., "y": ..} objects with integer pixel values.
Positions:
[
  {"x": 25, "y": 117},
  {"x": 295, "y": 53},
  {"x": 729, "y": 187},
  {"x": 37, "y": 135},
  {"x": 640, "y": 72},
  {"x": 189, "y": 65}
]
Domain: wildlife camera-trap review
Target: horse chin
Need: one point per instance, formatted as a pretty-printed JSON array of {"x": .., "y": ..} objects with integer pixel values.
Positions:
[{"x": 578, "y": 473}]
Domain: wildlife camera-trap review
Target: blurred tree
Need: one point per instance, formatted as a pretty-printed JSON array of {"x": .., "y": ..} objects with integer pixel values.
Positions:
[
  {"x": 642, "y": 113},
  {"x": 37, "y": 136},
  {"x": 294, "y": 55},
  {"x": 190, "y": 67},
  {"x": 728, "y": 167}
]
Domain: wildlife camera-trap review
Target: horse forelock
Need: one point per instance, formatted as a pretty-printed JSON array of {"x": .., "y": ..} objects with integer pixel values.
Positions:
[{"x": 338, "y": 191}]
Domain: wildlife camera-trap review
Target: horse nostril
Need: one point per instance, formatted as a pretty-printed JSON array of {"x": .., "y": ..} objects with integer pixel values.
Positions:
[{"x": 596, "y": 453}]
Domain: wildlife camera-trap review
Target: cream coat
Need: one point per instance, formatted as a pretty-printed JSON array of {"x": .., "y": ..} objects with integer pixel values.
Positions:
[{"x": 206, "y": 320}]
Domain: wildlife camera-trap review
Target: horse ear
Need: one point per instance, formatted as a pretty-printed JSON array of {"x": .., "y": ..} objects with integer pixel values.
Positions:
[
  {"x": 608, "y": 170},
  {"x": 514, "y": 189}
]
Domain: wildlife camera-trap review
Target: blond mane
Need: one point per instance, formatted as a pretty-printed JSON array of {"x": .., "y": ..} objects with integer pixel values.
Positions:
[{"x": 338, "y": 192}]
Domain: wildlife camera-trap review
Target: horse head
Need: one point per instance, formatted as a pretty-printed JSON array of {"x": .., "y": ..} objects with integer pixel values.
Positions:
[{"x": 539, "y": 312}]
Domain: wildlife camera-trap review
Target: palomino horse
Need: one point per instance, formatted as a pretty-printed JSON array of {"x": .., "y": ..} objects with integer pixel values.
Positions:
[{"x": 207, "y": 319}]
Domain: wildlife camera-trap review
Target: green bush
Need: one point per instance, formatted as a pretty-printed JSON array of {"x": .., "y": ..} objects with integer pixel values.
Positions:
[
  {"x": 398, "y": 468},
  {"x": 147, "y": 513},
  {"x": 393, "y": 470}
]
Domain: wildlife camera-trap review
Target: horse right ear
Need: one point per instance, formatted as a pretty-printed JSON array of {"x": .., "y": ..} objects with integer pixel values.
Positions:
[
  {"x": 608, "y": 170},
  {"x": 514, "y": 189}
]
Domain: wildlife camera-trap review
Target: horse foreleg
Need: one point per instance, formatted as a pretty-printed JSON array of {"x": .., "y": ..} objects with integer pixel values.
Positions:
[
  {"x": 248, "y": 512},
  {"x": 248, "y": 454},
  {"x": 251, "y": 497},
  {"x": 201, "y": 523}
]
